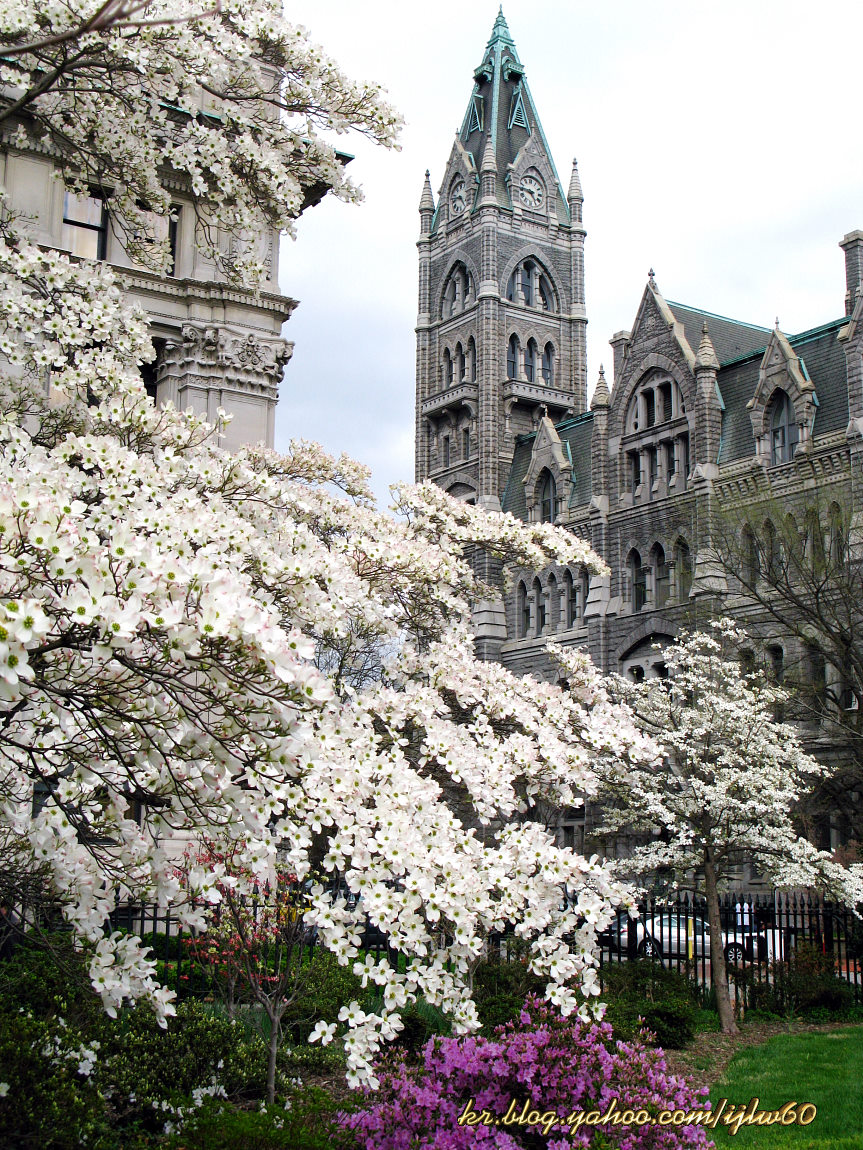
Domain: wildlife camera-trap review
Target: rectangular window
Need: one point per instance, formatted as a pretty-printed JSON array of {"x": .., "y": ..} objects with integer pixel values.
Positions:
[
  {"x": 669, "y": 459},
  {"x": 160, "y": 229},
  {"x": 634, "y": 471},
  {"x": 665, "y": 400},
  {"x": 446, "y": 451},
  {"x": 85, "y": 226},
  {"x": 465, "y": 441},
  {"x": 649, "y": 407}
]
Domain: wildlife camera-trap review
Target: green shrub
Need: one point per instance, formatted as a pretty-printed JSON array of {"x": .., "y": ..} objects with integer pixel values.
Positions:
[
  {"x": 647, "y": 991},
  {"x": 327, "y": 987},
  {"x": 805, "y": 984},
  {"x": 307, "y": 1122},
  {"x": 501, "y": 989},
  {"x": 48, "y": 976},
  {"x": 53, "y": 1101},
  {"x": 144, "y": 1065}
]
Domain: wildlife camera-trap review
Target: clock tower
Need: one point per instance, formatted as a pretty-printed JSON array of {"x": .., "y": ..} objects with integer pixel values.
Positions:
[{"x": 501, "y": 324}]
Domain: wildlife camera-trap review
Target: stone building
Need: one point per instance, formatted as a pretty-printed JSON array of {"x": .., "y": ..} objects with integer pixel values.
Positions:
[
  {"x": 218, "y": 344},
  {"x": 705, "y": 420}
]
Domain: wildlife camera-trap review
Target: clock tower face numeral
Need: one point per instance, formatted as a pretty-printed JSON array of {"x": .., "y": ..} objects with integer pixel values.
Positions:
[
  {"x": 531, "y": 192},
  {"x": 458, "y": 198}
]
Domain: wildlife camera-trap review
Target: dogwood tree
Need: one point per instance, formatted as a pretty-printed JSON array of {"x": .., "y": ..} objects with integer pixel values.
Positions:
[
  {"x": 726, "y": 786},
  {"x": 178, "y": 629}
]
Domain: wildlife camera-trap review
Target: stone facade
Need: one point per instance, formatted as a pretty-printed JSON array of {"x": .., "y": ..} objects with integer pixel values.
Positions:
[
  {"x": 218, "y": 345},
  {"x": 707, "y": 419}
]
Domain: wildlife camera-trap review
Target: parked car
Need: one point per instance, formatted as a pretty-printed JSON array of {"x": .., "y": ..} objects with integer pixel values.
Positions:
[{"x": 688, "y": 936}]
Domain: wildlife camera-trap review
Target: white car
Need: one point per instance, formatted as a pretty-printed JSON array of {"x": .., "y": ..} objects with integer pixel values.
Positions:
[{"x": 688, "y": 936}]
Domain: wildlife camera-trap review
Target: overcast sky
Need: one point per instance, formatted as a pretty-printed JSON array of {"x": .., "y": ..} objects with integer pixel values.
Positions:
[{"x": 717, "y": 143}]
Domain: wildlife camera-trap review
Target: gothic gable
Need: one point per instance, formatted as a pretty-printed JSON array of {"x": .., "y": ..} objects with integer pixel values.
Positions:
[
  {"x": 548, "y": 455},
  {"x": 458, "y": 189},
  {"x": 781, "y": 371}
]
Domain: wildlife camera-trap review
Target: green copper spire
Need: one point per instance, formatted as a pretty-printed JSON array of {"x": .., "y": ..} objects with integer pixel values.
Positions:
[{"x": 501, "y": 127}]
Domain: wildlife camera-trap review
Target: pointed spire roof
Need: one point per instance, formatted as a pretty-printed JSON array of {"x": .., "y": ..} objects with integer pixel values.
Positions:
[
  {"x": 575, "y": 192},
  {"x": 427, "y": 199},
  {"x": 706, "y": 357},
  {"x": 601, "y": 394},
  {"x": 501, "y": 120}
]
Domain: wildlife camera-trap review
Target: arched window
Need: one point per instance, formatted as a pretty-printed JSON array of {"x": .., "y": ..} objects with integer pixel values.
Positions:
[
  {"x": 458, "y": 363},
  {"x": 683, "y": 569},
  {"x": 751, "y": 563},
  {"x": 471, "y": 360},
  {"x": 837, "y": 535},
  {"x": 772, "y": 555},
  {"x": 553, "y": 602},
  {"x": 458, "y": 291},
  {"x": 661, "y": 576},
  {"x": 570, "y": 592},
  {"x": 447, "y": 369},
  {"x": 546, "y": 298},
  {"x": 783, "y": 428},
  {"x": 548, "y": 365},
  {"x": 530, "y": 361},
  {"x": 638, "y": 579},
  {"x": 522, "y": 607},
  {"x": 814, "y": 542},
  {"x": 548, "y": 498},
  {"x": 512, "y": 354},
  {"x": 539, "y": 606},
  {"x": 530, "y": 286}
]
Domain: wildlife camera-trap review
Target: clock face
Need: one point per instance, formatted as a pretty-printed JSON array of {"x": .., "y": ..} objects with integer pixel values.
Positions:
[
  {"x": 458, "y": 198},
  {"x": 530, "y": 192}
]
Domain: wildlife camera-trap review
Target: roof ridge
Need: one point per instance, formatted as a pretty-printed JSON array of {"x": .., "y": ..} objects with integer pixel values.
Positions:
[{"x": 715, "y": 315}]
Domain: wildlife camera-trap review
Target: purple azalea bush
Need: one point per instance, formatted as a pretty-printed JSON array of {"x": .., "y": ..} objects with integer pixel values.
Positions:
[{"x": 527, "y": 1088}]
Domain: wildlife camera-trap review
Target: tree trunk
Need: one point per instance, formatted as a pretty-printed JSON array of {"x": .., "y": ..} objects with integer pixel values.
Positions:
[
  {"x": 718, "y": 973},
  {"x": 272, "y": 1051}
]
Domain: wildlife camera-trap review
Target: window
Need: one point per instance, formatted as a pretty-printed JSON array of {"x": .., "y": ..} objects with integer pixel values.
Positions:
[
  {"x": 512, "y": 354},
  {"x": 446, "y": 451},
  {"x": 528, "y": 285},
  {"x": 160, "y": 228},
  {"x": 837, "y": 535},
  {"x": 814, "y": 542},
  {"x": 548, "y": 498},
  {"x": 553, "y": 602},
  {"x": 772, "y": 562},
  {"x": 649, "y": 407},
  {"x": 651, "y": 465},
  {"x": 634, "y": 465},
  {"x": 817, "y": 668},
  {"x": 638, "y": 578},
  {"x": 458, "y": 291},
  {"x": 683, "y": 569},
  {"x": 530, "y": 361},
  {"x": 661, "y": 575},
  {"x": 447, "y": 369},
  {"x": 465, "y": 443},
  {"x": 523, "y": 611},
  {"x": 471, "y": 360},
  {"x": 570, "y": 590},
  {"x": 669, "y": 459},
  {"x": 665, "y": 401},
  {"x": 751, "y": 561},
  {"x": 539, "y": 603},
  {"x": 783, "y": 428},
  {"x": 459, "y": 363},
  {"x": 548, "y": 365},
  {"x": 85, "y": 226}
]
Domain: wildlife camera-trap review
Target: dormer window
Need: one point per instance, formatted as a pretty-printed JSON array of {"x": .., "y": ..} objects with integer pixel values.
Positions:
[{"x": 784, "y": 432}]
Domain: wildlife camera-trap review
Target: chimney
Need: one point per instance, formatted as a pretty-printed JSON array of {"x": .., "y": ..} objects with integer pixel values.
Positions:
[{"x": 852, "y": 245}]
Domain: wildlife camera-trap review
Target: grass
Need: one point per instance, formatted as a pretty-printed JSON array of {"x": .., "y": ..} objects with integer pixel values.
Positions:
[{"x": 825, "y": 1069}]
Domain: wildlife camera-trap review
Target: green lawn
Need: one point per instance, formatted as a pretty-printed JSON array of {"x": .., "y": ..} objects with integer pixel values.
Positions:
[{"x": 825, "y": 1069}]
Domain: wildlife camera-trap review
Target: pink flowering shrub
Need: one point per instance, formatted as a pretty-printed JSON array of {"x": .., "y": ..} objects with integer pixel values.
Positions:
[{"x": 543, "y": 1064}]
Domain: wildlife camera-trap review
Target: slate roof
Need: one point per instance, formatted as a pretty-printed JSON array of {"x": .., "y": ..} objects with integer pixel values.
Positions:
[
  {"x": 575, "y": 435},
  {"x": 824, "y": 360},
  {"x": 730, "y": 337}
]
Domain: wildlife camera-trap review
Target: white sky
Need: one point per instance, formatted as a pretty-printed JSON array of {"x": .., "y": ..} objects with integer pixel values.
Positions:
[{"x": 717, "y": 143}]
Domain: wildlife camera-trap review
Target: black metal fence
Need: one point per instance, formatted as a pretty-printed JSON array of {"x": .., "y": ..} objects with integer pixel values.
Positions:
[{"x": 763, "y": 936}]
